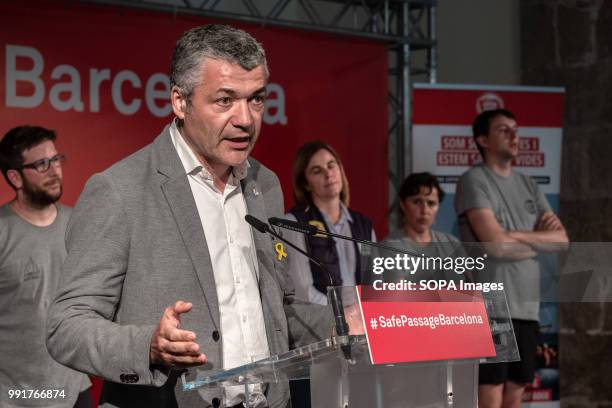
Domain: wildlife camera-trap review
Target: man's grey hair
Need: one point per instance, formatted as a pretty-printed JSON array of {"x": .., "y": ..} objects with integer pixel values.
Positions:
[{"x": 215, "y": 41}]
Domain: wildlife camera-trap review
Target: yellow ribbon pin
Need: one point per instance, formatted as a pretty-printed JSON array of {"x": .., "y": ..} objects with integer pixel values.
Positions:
[{"x": 280, "y": 251}]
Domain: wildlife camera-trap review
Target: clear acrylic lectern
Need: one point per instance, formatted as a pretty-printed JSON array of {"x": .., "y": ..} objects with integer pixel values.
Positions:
[{"x": 357, "y": 383}]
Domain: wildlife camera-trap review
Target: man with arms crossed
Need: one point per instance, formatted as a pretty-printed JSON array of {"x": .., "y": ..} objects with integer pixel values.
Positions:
[
  {"x": 166, "y": 226},
  {"x": 505, "y": 208},
  {"x": 32, "y": 250}
]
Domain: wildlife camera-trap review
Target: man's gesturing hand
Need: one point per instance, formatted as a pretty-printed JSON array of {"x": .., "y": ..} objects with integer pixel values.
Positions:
[
  {"x": 353, "y": 318},
  {"x": 172, "y": 346}
]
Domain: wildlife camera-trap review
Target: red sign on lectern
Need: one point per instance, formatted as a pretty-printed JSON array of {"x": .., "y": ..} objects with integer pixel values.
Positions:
[{"x": 425, "y": 325}]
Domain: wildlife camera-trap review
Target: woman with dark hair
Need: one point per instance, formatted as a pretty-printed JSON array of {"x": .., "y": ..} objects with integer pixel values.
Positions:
[
  {"x": 321, "y": 193},
  {"x": 420, "y": 196}
]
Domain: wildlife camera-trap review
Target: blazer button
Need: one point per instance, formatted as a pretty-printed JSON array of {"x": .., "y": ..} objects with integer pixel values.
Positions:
[
  {"x": 216, "y": 402},
  {"x": 216, "y": 336}
]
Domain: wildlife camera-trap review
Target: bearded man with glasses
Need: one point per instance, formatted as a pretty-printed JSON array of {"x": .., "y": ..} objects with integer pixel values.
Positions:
[{"x": 32, "y": 251}]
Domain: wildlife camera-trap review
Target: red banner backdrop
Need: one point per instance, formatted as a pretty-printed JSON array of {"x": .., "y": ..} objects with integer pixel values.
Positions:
[
  {"x": 533, "y": 106},
  {"x": 98, "y": 76}
]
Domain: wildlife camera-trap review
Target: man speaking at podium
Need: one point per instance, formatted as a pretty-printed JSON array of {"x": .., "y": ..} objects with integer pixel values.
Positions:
[{"x": 166, "y": 226}]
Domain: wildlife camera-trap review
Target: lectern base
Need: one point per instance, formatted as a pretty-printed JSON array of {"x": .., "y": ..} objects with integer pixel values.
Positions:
[{"x": 338, "y": 384}]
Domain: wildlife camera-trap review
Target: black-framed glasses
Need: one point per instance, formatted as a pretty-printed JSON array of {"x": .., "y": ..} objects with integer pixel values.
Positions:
[{"x": 43, "y": 165}]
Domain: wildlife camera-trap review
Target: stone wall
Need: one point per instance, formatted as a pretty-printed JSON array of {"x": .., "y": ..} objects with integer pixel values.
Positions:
[{"x": 569, "y": 43}]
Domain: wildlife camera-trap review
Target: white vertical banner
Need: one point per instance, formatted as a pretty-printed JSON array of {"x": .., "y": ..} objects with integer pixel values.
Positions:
[{"x": 442, "y": 144}]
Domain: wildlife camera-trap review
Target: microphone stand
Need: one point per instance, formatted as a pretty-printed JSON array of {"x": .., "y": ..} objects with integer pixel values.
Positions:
[
  {"x": 336, "y": 301},
  {"x": 308, "y": 229}
]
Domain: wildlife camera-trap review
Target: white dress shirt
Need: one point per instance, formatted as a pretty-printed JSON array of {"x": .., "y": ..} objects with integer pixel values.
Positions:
[{"x": 234, "y": 261}]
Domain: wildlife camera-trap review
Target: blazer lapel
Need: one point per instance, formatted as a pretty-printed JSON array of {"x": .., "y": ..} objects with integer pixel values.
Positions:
[
  {"x": 180, "y": 199},
  {"x": 256, "y": 207},
  {"x": 269, "y": 288}
]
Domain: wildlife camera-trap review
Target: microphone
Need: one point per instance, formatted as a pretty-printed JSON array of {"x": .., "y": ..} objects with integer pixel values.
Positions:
[
  {"x": 308, "y": 229},
  {"x": 257, "y": 224},
  {"x": 265, "y": 228},
  {"x": 336, "y": 302},
  {"x": 294, "y": 226}
]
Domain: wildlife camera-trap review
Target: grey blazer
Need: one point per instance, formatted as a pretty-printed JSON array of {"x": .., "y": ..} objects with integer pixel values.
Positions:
[{"x": 135, "y": 246}]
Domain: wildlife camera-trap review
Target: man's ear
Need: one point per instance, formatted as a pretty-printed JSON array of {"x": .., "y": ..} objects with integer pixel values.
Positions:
[
  {"x": 179, "y": 103},
  {"x": 15, "y": 178},
  {"x": 483, "y": 141}
]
